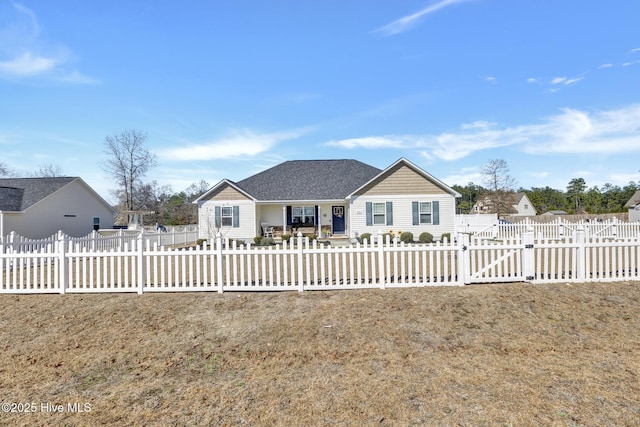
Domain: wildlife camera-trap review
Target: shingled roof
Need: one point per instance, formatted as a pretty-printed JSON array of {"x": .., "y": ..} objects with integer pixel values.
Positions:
[
  {"x": 633, "y": 201},
  {"x": 18, "y": 194},
  {"x": 309, "y": 180}
]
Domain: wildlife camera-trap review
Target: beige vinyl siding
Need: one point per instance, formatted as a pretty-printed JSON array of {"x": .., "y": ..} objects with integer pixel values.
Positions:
[
  {"x": 227, "y": 192},
  {"x": 401, "y": 180},
  {"x": 70, "y": 209}
]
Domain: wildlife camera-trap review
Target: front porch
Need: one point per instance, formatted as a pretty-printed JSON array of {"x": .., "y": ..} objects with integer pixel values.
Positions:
[{"x": 323, "y": 220}]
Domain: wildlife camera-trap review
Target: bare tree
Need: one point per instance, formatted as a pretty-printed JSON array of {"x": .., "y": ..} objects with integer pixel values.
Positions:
[
  {"x": 499, "y": 184},
  {"x": 49, "y": 171},
  {"x": 3, "y": 169},
  {"x": 128, "y": 161}
]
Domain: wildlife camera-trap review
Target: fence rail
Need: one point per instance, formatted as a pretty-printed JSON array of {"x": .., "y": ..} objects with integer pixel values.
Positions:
[
  {"x": 103, "y": 240},
  {"x": 611, "y": 228},
  {"x": 68, "y": 266}
]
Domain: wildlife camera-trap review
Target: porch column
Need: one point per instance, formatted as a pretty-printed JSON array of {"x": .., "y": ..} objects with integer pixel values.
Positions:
[
  {"x": 319, "y": 233},
  {"x": 284, "y": 219}
]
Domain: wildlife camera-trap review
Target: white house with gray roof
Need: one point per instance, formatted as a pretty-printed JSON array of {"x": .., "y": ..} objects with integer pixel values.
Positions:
[
  {"x": 634, "y": 207},
  {"x": 40, "y": 207},
  {"x": 329, "y": 197}
]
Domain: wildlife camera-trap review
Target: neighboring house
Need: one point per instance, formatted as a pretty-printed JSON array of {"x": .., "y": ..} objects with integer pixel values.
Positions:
[
  {"x": 329, "y": 197},
  {"x": 40, "y": 207},
  {"x": 634, "y": 207},
  {"x": 522, "y": 207}
]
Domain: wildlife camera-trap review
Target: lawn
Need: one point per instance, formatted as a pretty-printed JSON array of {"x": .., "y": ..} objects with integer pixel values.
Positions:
[{"x": 510, "y": 354}]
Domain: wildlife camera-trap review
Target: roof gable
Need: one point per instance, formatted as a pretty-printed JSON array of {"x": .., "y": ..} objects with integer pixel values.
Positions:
[
  {"x": 308, "y": 180},
  {"x": 224, "y": 190},
  {"x": 633, "y": 201},
  {"x": 403, "y": 177},
  {"x": 18, "y": 194}
]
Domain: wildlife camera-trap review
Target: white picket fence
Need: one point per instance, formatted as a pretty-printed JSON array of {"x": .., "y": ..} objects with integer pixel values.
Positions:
[
  {"x": 556, "y": 229},
  {"x": 103, "y": 240},
  {"x": 68, "y": 266}
]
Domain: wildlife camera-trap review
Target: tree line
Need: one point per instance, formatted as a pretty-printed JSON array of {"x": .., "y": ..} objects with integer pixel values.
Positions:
[{"x": 578, "y": 198}]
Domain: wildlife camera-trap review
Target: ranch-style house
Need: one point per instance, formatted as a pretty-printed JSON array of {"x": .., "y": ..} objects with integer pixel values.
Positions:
[
  {"x": 344, "y": 198},
  {"x": 40, "y": 207}
]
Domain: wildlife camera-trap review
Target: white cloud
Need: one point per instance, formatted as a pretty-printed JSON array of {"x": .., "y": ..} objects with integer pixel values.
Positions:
[
  {"x": 605, "y": 66},
  {"x": 25, "y": 54},
  {"x": 636, "y": 50},
  {"x": 27, "y": 64},
  {"x": 478, "y": 124},
  {"x": 490, "y": 79},
  {"x": 570, "y": 131},
  {"x": 237, "y": 145},
  {"x": 371, "y": 142},
  {"x": 559, "y": 82},
  {"x": 532, "y": 80},
  {"x": 407, "y": 22}
]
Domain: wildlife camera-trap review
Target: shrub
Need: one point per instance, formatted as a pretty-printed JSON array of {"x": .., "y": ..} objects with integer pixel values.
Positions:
[
  {"x": 266, "y": 241},
  {"x": 386, "y": 236},
  {"x": 406, "y": 237},
  {"x": 199, "y": 242},
  {"x": 311, "y": 236},
  {"x": 365, "y": 236},
  {"x": 445, "y": 236},
  {"x": 285, "y": 237},
  {"x": 425, "y": 237},
  {"x": 257, "y": 240}
]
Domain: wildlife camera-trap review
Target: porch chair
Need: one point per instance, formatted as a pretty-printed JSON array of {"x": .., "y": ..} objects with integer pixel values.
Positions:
[{"x": 267, "y": 231}]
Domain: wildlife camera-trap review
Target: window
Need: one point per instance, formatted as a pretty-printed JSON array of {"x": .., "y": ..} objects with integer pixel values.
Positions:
[
  {"x": 379, "y": 211},
  {"x": 227, "y": 216},
  {"x": 425, "y": 212},
  {"x": 303, "y": 215}
]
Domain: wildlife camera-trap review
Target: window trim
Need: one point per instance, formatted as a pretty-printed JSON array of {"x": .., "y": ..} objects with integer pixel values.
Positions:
[{"x": 429, "y": 213}]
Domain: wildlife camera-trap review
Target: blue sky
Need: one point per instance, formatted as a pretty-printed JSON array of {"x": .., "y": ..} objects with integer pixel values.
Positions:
[{"x": 225, "y": 89}]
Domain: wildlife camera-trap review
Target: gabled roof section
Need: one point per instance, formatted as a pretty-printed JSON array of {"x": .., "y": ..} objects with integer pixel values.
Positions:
[
  {"x": 308, "y": 180},
  {"x": 404, "y": 162},
  {"x": 634, "y": 200},
  {"x": 219, "y": 186},
  {"x": 19, "y": 194}
]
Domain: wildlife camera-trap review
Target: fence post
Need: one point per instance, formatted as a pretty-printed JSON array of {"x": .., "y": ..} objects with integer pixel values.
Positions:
[
  {"x": 121, "y": 243},
  {"x": 381, "y": 273},
  {"x": 62, "y": 259},
  {"x": 94, "y": 238},
  {"x": 141, "y": 264},
  {"x": 528, "y": 255},
  {"x": 12, "y": 239},
  {"x": 219, "y": 272},
  {"x": 300, "y": 262},
  {"x": 580, "y": 241},
  {"x": 464, "y": 258}
]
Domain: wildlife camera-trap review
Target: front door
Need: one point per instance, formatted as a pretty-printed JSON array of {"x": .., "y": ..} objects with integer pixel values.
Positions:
[{"x": 337, "y": 214}]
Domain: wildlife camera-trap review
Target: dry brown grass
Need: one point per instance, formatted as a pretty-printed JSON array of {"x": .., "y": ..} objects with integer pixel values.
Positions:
[{"x": 514, "y": 354}]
